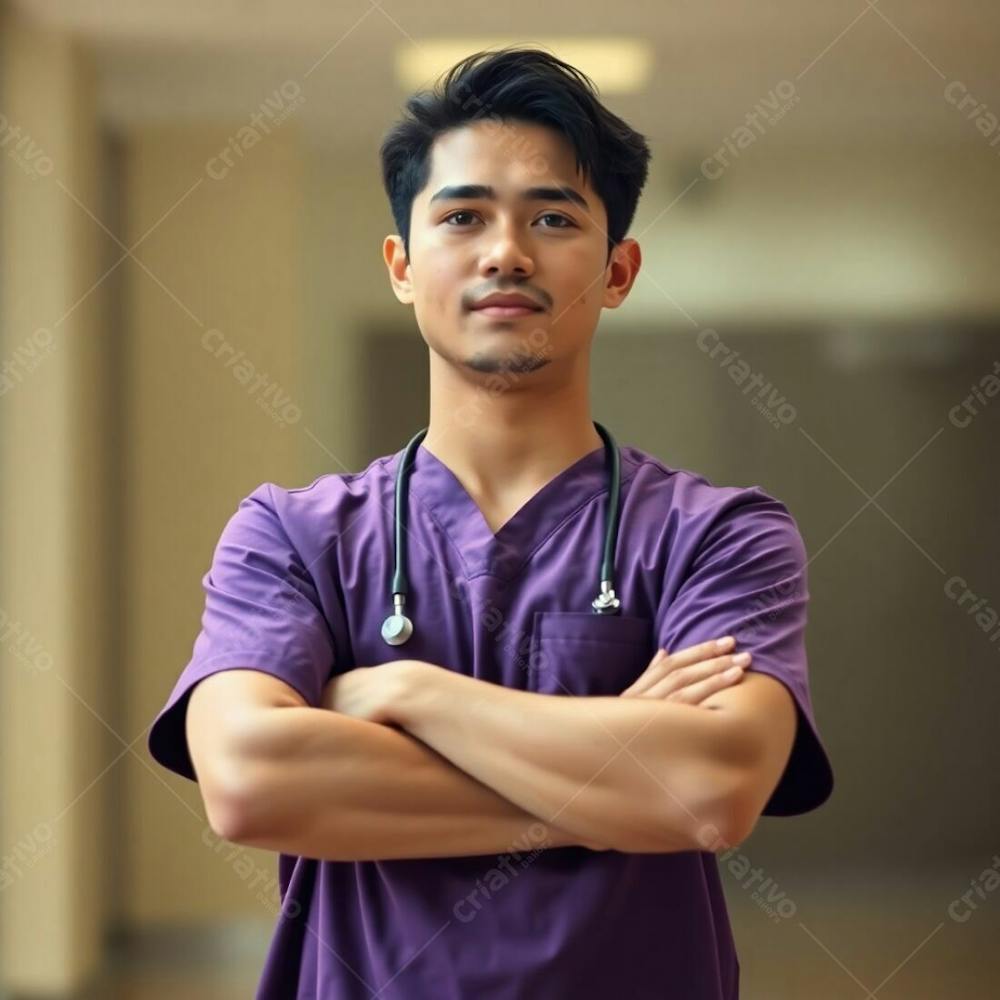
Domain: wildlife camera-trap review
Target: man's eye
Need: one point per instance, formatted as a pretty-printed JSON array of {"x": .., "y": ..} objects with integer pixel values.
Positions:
[
  {"x": 556, "y": 215},
  {"x": 565, "y": 223}
]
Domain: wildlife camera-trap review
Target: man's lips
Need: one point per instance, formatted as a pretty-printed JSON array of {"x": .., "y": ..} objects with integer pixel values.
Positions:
[
  {"x": 508, "y": 311},
  {"x": 506, "y": 300}
]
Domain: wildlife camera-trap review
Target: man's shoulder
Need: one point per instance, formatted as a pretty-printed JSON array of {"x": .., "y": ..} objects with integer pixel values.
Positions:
[
  {"x": 328, "y": 502},
  {"x": 691, "y": 494}
]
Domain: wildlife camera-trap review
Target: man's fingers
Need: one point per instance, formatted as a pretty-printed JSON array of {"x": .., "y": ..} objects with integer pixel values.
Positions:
[
  {"x": 701, "y": 651},
  {"x": 684, "y": 678},
  {"x": 664, "y": 662},
  {"x": 695, "y": 694}
]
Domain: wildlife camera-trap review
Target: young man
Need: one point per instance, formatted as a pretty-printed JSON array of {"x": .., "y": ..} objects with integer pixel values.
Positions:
[{"x": 524, "y": 799}]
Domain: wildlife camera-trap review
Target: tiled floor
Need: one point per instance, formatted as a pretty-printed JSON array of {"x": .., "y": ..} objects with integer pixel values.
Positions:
[{"x": 837, "y": 938}]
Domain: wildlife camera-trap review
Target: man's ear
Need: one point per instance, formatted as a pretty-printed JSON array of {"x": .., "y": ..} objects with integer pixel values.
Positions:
[
  {"x": 626, "y": 259},
  {"x": 398, "y": 267}
]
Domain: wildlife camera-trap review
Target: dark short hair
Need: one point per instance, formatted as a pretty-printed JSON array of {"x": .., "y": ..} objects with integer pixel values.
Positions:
[{"x": 518, "y": 84}]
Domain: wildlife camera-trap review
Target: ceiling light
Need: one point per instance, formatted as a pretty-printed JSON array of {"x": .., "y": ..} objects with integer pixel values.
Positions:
[{"x": 616, "y": 65}]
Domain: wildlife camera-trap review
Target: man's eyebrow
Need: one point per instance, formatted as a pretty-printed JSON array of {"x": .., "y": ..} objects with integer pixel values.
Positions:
[{"x": 472, "y": 191}]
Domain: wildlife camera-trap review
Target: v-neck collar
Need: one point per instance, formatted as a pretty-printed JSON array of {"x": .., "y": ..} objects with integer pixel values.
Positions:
[{"x": 441, "y": 493}]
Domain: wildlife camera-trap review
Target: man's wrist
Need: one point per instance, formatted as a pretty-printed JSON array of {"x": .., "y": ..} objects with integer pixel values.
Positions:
[{"x": 414, "y": 682}]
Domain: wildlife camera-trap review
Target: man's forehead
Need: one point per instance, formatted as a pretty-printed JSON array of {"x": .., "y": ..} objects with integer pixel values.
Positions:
[
  {"x": 536, "y": 192},
  {"x": 474, "y": 155}
]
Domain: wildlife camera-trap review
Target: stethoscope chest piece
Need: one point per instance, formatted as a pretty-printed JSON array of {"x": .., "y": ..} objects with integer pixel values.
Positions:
[{"x": 397, "y": 628}]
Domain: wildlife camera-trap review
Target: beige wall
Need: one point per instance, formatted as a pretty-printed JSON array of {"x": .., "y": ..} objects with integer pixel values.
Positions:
[
  {"x": 228, "y": 275},
  {"x": 54, "y": 703},
  {"x": 885, "y": 230}
]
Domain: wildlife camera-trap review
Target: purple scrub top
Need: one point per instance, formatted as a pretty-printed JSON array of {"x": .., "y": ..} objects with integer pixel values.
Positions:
[{"x": 299, "y": 586}]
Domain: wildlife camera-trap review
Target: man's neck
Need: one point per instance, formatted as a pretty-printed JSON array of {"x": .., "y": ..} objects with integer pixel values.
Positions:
[{"x": 507, "y": 446}]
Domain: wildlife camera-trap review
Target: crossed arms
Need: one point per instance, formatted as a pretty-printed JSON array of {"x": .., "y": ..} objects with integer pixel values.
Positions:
[{"x": 410, "y": 760}]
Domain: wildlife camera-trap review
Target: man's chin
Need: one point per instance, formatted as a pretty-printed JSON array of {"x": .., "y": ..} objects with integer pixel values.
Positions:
[{"x": 505, "y": 362}]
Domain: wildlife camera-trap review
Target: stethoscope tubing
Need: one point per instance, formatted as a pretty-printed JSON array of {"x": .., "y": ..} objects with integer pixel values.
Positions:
[{"x": 398, "y": 628}]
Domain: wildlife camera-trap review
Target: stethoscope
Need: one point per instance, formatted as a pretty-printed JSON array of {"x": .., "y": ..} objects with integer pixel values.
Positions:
[{"x": 397, "y": 628}]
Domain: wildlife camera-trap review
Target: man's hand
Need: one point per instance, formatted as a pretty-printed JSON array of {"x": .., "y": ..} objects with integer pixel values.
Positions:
[
  {"x": 369, "y": 693},
  {"x": 690, "y": 675}
]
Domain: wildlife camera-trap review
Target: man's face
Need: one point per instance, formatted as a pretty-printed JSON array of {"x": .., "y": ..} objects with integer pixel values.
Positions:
[{"x": 465, "y": 245}]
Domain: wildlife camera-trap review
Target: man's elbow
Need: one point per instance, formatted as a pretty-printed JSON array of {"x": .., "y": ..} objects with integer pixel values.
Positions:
[
  {"x": 733, "y": 824},
  {"x": 230, "y": 784},
  {"x": 714, "y": 831},
  {"x": 723, "y": 815},
  {"x": 228, "y": 803},
  {"x": 232, "y": 726},
  {"x": 226, "y": 823},
  {"x": 708, "y": 825}
]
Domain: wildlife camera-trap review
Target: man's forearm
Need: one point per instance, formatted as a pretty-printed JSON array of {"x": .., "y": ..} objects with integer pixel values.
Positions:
[
  {"x": 636, "y": 774},
  {"x": 323, "y": 785}
]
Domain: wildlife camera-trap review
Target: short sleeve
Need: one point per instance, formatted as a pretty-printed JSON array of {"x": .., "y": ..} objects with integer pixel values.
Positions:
[
  {"x": 261, "y": 611},
  {"x": 747, "y": 578}
]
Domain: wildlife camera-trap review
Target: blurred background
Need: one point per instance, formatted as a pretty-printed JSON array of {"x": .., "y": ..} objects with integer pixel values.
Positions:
[{"x": 193, "y": 301}]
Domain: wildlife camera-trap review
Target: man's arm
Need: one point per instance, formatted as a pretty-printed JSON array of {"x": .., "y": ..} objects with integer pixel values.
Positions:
[
  {"x": 637, "y": 774},
  {"x": 763, "y": 708},
  {"x": 328, "y": 786}
]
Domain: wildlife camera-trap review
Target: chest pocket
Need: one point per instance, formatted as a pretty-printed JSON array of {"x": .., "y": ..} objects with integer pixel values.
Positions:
[{"x": 581, "y": 653}]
